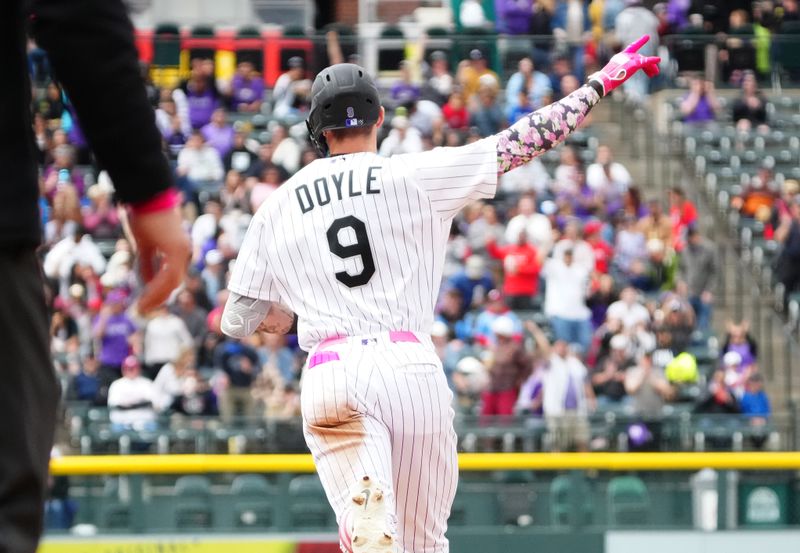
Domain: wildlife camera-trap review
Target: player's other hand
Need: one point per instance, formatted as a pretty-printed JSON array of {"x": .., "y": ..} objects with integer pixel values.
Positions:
[
  {"x": 624, "y": 65},
  {"x": 164, "y": 253}
]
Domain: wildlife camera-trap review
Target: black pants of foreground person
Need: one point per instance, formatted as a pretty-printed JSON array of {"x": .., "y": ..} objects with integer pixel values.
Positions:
[{"x": 28, "y": 401}]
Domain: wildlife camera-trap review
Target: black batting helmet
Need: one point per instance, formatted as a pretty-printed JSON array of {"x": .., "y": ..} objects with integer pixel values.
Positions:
[{"x": 343, "y": 96}]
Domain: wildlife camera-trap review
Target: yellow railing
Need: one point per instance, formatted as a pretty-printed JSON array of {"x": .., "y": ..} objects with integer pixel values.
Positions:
[{"x": 179, "y": 464}]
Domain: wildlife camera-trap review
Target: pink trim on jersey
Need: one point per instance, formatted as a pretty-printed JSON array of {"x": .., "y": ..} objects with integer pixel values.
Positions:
[
  {"x": 402, "y": 336},
  {"x": 321, "y": 357},
  {"x": 332, "y": 341}
]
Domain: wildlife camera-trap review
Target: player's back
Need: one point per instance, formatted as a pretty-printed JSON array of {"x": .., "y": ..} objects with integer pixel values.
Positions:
[{"x": 355, "y": 243}]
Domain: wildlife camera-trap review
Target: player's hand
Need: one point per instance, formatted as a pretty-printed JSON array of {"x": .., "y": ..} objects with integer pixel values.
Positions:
[
  {"x": 164, "y": 253},
  {"x": 624, "y": 65}
]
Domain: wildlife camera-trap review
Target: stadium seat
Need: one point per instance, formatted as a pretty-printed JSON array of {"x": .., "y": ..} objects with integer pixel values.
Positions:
[
  {"x": 628, "y": 502},
  {"x": 308, "y": 506},
  {"x": 255, "y": 500},
  {"x": 475, "y": 505},
  {"x": 193, "y": 503},
  {"x": 561, "y": 502},
  {"x": 113, "y": 514}
]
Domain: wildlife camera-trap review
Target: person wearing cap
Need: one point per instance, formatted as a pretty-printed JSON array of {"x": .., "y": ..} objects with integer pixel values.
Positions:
[
  {"x": 608, "y": 376},
  {"x": 450, "y": 351},
  {"x": 247, "y": 89},
  {"x": 213, "y": 273},
  {"x": 649, "y": 390},
  {"x": 472, "y": 71},
  {"x": 439, "y": 85},
  {"x": 474, "y": 282},
  {"x": 469, "y": 381},
  {"x": 495, "y": 308},
  {"x": 566, "y": 290},
  {"x": 735, "y": 374},
  {"x": 290, "y": 86},
  {"x": 659, "y": 271},
  {"x": 508, "y": 365},
  {"x": 603, "y": 251},
  {"x": 131, "y": 399},
  {"x": 402, "y": 139}
]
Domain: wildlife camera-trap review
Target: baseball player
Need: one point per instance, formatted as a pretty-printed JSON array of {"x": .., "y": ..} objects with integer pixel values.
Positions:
[{"x": 352, "y": 249}]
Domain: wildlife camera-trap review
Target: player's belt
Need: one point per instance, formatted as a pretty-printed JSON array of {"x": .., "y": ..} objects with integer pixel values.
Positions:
[{"x": 323, "y": 355}]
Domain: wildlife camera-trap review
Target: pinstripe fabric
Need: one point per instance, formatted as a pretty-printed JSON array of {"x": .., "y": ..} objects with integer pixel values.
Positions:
[
  {"x": 406, "y": 209},
  {"x": 384, "y": 409}
]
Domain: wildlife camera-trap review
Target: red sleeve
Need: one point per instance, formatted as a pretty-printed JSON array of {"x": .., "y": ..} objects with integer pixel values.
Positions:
[
  {"x": 494, "y": 250},
  {"x": 531, "y": 266}
]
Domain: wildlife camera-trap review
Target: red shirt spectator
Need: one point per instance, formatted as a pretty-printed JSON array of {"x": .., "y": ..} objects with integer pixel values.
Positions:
[
  {"x": 682, "y": 215},
  {"x": 603, "y": 252},
  {"x": 521, "y": 267},
  {"x": 455, "y": 112}
]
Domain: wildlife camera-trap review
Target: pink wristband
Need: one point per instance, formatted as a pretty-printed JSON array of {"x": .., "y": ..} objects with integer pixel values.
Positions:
[{"x": 162, "y": 201}]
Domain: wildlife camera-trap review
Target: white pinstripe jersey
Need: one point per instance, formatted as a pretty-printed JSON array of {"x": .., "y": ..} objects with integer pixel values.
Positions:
[{"x": 355, "y": 244}]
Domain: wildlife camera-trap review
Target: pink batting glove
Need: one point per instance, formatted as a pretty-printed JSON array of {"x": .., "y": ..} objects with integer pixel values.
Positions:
[{"x": 624, "y": 64}]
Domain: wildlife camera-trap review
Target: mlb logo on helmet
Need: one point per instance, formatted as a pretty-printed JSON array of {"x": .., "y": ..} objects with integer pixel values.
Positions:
[{"x": 351, "y": 120}]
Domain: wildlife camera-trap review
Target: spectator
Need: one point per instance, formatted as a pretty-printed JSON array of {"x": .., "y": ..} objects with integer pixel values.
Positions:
[
  {"x": 508, "y": 366},
  {"x": 291, "y": 90},
  {"x": 473, "y": 282},
  {"x": 647, "y": 385},
  {"x": 521, "y": 267},
  {"x": 218, "y": 133},
  {"x": 655, "y": 226},
  {"x": 572, "y": 30},
  {"x": 402, "y": 139},
  {"x": 473, "y": 73},
  {"x": 471, "y": 14},
  {"x": 787, "y": 266},
  {"x": 631, "y": 23},
  {"x": 527, "y": 79},
  {"x": 529, "y": 178},
  {"x": 495, "y": 308},
  {"x": 607, "y": 178},
  {"x": 101, "y": 219},
  {"x": 239, "y": 158},
  {"x": 601, "y": 298},
  {"x": 199, "y": 166},
  {"x": 537, "y": 226},
  {"x": 52, "y": 106},
  {"x": 65, "y": 217},
  {"x": 170, "y": 382},
  {"x": 701, "y": 104},
  {"x": 247, "y": 89},
  {"x": 213, "y": 273},
  {"x": 173, "y": 127},
  {"x": 469, "y": 381},
  {"x": 719, "y": 398},
  {"x": 197, "y": 398},
  {"x": 452, "y": 313},
  {"x": 455, "y": 112},
  {"x": 484, "y": 227},
  {"x": 200, "y": 95},
  {"x": 62, "y": 171},
  {"x": 755, "y": 403},
  {"x": 487, "y": 116},
  {"x": 286, "y": 151},
  {"x": 735, "y": 375},
  {"x": 750, "y": 109},
  {"x": 582, "y": 251},
  {"x": 629, "y": 311},
  {"x": 404, "y": 91},
  {"x": 603, "y": 251},
  {"x": 114, "y": 330},
  {"x": 760, "y": 193},
  {"x": 630, "y": 247},
  {"x": 440, "y": 82},
  {"x": 608, "y": 377},
  {"x": 739, "y": 340},
  {"x": 569, "y": 175},
  {"x": 239, "y": 363},
  {"x": 567, "y": 398},
  {"x": 698, "y": 268},
  {"x": 192, "y": 315},
  {"x": 276, "y": 357},
  {"x": 74, "y": 251},
  {"x": 565, "y": 300},
  {"x": 682, "y": 216},
  {"x": 658, "y": 272},
  {"x": 165, "y": 337},
  {"x": 131, "y": 399},
  {"x": 450, "y": 351},
  {"x": 86, "y": 385}
]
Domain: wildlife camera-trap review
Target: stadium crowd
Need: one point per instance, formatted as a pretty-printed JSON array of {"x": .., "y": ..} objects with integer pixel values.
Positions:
[{"x": 577, "y": 289}]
